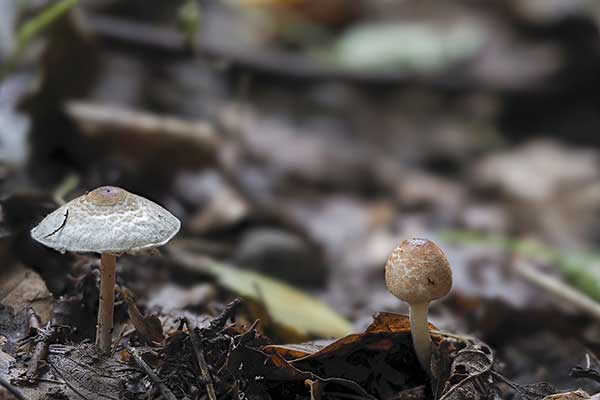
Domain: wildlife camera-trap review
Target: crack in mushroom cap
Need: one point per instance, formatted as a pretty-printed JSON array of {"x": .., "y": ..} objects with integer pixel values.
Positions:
[
  {"x": 107, "y": 220},
  {"x": 418, "y": 271}
]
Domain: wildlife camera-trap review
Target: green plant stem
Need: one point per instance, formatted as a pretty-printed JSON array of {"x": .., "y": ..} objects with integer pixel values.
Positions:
[{"x": 32, "y": 28}]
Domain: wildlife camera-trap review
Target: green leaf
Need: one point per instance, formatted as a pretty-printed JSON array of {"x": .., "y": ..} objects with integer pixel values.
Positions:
[{"x": 404, "y": 47}]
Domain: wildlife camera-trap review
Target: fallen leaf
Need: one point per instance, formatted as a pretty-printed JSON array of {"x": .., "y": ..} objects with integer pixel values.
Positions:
[
  {"x": 77, "y": 372},
  {"x": 286, "y": 306},
  {"x": 149, "y": 326},
  {"x": 22, "y": 288},
  {"x": 407, "y": 47},
  {"x": 575, "y": 395},
  {"x": 470, "y": 375},
  {"x": 89, "y": 373},
  {"x": 381, "y": 359}
]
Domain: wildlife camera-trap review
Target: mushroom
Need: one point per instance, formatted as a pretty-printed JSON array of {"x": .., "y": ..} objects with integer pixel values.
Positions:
[
  {"x": 418, "y": 272},
  {"x": 110, "y": 221}
]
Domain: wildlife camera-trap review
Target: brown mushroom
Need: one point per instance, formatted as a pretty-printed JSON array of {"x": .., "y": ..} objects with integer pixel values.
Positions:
[{"x": 418, "y": 272}]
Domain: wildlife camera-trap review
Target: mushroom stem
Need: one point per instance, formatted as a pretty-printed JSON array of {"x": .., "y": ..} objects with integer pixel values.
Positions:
[
  {"x": 104, "y": 328},
  {"x": 420, "y": 334}
]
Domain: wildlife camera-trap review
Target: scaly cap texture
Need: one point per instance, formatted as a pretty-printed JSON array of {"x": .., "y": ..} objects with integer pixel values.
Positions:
[
  {"x": 107, "y": 220},
  {"x": 418, "y": 271}
]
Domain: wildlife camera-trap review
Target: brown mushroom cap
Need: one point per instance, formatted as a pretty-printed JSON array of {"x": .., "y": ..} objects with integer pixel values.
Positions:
[
  {"x": 418, "y": 272},
  {"x": 107, "y": 220}
]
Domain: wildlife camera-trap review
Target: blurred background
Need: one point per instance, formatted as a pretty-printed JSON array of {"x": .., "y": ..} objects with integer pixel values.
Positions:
[{"x": 305, "y": 139}]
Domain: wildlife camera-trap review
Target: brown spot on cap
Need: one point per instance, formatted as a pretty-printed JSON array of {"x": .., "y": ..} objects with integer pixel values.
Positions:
[
  {"x": 418, "y": 271},
  {"x": 106, "y": 196}
]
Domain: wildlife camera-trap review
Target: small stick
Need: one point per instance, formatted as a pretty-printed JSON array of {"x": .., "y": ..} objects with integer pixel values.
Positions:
[
  {"x": 40, "y": 352},
  {"x": 11, "y": 389},
  {"x": 164, "y": 389},
  {"x": 558, "y": 289},
  {"x": 197, "y": 345},
  {"x": 39, "y": 355},
  {"x": 218, "y": 323}
]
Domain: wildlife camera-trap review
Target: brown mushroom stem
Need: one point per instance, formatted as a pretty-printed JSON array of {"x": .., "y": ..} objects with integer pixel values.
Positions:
[
  {"x": 420, "y": 333},
  {"x": 104, "y": 328}
]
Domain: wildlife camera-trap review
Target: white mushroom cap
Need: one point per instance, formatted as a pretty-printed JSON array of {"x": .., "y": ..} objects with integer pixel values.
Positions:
[
  {"x": 107, "y": 220},
  {"x": 418, "y": 272}
]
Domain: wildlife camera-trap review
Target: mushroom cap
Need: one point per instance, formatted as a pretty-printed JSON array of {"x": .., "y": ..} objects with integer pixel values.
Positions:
[
  {"x": 418, "y": 272},
  {"x": 107, "y": 220}
]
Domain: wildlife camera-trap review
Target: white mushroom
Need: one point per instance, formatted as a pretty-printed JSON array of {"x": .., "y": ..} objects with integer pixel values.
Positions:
[
  {"x": 418, "y": 272},
  {"x": 110, "y": 221}
]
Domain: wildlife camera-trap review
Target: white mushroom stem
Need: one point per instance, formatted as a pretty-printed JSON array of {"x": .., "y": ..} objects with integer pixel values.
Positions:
[
  {"x": 420, "y": 333},
  {"x": 104, "y": 328}
]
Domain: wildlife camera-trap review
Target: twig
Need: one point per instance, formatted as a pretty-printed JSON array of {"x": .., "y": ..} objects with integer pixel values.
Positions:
[
  {"x": 55, "y": 381},
  {"x": 39, "y": 356},
  {"x": 523, "y": 390},
  {"x": 11, "y": 389},
  {"x": 198, "y": 350},
  {"x": 218, "y": 323},
  {"x": 164, "y": 389},
  {"x": 557, "y": 288}
]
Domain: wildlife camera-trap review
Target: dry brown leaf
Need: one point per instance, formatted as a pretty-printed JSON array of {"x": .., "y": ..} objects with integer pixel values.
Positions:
[
  {"x": 149, "y": 326},
  {"x": 383, "y": 323},
  {"x": 383, "y": 353},
  {"x": 574, "y": 395},
  {"x": 22, "y": 288}
]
